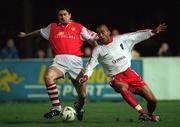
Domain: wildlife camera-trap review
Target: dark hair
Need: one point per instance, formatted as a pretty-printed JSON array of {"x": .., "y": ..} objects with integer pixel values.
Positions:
[
  {"x": 102, "y": 25},
  {"x": 67, "y": 9}
]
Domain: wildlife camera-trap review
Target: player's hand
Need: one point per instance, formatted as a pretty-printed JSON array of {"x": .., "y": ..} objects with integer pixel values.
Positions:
[
  {"x": 83, "y": 79},
  {"x": 162, "y": 27},
  {"x": 22, "y": 34}
]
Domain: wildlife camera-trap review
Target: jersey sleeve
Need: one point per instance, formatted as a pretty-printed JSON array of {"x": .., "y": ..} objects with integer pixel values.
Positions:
[
  {"x": 88, "y": 35},
  {"x": 45, "y": 32},
  {"x": 93, "y": 62},
  {"x": 138, "y": 36},
  {"x": 135, "y": 37}
]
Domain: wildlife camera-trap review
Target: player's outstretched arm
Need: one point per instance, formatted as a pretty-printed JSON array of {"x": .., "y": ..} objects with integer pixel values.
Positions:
[
  {"x": 161, "y": 28},
  {"x": 34, "y": 33}
]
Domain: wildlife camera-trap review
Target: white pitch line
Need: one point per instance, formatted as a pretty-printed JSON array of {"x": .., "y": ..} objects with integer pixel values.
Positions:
[
  {"x": 108, "y": 86},
  {"x": 111, "y": 95},
  {"x": 37, "y": 87},
  {"x": 34, "y": 87},
  {"x": 37, "y": 96}
]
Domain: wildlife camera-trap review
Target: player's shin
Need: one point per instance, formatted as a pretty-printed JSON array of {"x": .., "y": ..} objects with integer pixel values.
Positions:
[
  {"x": 79, "y": 103},
  {"x": 132, "y": 101},
  {"x": 151, "y": 106},
  {"x": 81, "y": 96},
  {"x": 53, "y": 96}
]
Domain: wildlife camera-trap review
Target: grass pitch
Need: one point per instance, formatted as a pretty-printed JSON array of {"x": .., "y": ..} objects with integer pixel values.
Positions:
[{"x": 98, "y": 114}]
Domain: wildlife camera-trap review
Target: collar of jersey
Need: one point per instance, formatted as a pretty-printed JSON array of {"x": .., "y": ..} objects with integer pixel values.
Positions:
[{"x": 66, "y": 24}]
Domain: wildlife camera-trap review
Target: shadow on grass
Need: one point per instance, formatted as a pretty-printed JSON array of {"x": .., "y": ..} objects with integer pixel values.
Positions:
[{"x": 30, "y": 122}]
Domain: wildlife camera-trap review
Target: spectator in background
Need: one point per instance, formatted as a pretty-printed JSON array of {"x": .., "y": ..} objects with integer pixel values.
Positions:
[
  {"x": 164, "y": 50},
  {"x": 87, "y": 51},
  {"x": 115, "y": 32},
  {"x": 49, "y": 52},
  {"x": 40, "y": 54},
  {"x": 9, "y": 51},
  {"x": 178, "y": 54},
  {"x": 135, "y": 53}
]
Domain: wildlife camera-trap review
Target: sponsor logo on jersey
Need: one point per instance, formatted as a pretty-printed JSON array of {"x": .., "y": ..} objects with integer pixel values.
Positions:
[
  {"x": 118, "y": 59},
  {"x": 67, "y": 35}
]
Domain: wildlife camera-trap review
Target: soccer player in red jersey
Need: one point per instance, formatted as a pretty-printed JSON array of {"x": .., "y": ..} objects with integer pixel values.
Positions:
[
  {"x": 66, "y": 39},
  {"x": 115, "y": 56}
]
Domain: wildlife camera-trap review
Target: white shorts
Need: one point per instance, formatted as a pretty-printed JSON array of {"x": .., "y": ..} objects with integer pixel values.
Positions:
[{"x": 68, "y": 64}]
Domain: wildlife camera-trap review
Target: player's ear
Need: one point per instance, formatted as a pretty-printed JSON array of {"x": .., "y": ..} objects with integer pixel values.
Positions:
[
  {"x": 69, "y": 15},
  {"x": 109, "y": 32}
]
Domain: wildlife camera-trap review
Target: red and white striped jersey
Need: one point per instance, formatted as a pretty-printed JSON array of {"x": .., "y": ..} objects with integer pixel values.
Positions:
[
  {"x": 115, "y": 57},
  {"x": 67, "y": 39}
]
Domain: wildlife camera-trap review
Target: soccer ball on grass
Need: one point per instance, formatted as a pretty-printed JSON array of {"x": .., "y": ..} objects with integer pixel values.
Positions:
[{"x": 68, "y": 114}]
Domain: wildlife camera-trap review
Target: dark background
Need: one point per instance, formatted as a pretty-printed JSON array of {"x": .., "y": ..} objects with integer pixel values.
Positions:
[{"x": 126, "y": 15}]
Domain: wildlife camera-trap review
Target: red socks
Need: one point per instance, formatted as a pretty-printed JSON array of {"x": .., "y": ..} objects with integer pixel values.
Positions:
[
  {"x": 132, "y": 101},
  {"x": 53, "y": 95}
]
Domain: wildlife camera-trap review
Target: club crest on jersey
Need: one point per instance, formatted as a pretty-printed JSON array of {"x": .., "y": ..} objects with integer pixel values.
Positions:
[
  {"x": 60, "y": 33},
  {"x": 73, "y": 28},
  {"x": 121, "y": 45}
]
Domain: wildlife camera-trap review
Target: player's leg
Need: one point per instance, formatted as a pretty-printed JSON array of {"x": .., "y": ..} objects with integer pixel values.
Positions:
[
  {"x": 81, "y": 91},
  {"x": 146, "y": 93},
  {"x": 75, "y": 72},
  {"x": 122, "y": 88},
  {"x": 50, "y": 76},
  {"x": 79, "y": 103}
]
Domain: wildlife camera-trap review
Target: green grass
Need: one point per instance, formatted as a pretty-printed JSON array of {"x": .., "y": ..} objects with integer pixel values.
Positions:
[{"x": 98, "y": 114}]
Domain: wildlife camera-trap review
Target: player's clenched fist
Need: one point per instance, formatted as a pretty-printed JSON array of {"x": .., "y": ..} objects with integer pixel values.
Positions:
[{"x": 83, "y": 79}]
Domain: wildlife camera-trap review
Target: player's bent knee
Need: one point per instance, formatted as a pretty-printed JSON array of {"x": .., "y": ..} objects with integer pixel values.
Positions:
[
  {"x": 119, "y": 88},
  {"x": 49, "y": 78},
  {"x": 123, "y": 88}
]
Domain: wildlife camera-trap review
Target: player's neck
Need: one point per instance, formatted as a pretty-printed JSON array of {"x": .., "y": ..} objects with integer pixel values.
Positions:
[
  {"x": 65, "y": 23},
  {"x": 110, "y": 39}
]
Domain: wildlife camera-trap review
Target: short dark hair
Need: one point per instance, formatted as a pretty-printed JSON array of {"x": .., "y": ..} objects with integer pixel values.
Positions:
[
  {"x": 67, "y": 9},
  {"x": 102, "y": 25}
]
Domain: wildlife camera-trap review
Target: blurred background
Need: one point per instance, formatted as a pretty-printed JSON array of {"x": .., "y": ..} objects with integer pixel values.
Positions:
[{"x": 124, "y": 16}]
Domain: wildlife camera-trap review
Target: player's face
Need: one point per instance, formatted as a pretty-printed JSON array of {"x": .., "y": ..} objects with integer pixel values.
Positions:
[
  {"x": 104, "y": 34},
  {"x": 64, "y": 16}
]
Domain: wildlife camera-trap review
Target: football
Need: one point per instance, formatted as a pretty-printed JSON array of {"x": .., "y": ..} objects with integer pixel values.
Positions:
[{"x": 68, "y": 114}]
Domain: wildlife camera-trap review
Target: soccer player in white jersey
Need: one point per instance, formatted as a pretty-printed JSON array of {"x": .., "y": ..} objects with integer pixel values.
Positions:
[
  {"x": 115, "y": 56},
  {"x": 66, "y": 39}
]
